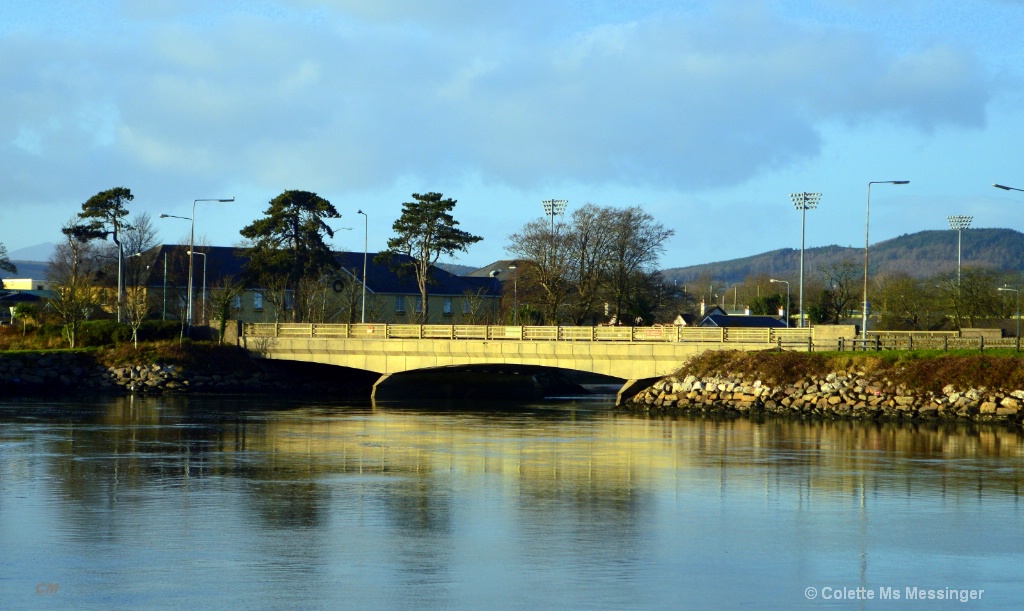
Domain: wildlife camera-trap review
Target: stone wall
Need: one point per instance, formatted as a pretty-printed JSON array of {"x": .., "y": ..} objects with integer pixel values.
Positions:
[
  {"x": 850, "y": 394},
  {"x": 65, "y": 372}
]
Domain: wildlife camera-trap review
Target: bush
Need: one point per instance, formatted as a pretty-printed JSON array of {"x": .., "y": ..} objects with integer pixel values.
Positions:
[
  {"x": 155, "y": 330},
  {"x": 102, "y": 333}
]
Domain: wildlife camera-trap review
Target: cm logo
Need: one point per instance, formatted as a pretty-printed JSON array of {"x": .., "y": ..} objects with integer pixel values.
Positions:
[{"x": 47, "y": 589}]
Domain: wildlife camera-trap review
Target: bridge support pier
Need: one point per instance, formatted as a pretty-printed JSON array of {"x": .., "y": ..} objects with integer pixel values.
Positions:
[{"x": 631, "y": 388}]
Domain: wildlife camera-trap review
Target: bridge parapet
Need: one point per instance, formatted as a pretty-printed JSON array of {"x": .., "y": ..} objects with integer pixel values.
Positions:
[{"x": 531, "y": 333}]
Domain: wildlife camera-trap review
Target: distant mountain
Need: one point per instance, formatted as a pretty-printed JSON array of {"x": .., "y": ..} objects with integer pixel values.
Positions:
[
  {"x": 922, "y": 254},
  {"x": 39, "y": 252},
  {"x": 454, "y": 268}
]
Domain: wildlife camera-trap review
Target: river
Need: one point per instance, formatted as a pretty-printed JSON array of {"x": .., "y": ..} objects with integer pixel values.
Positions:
[{"x": 277, "y": 503}]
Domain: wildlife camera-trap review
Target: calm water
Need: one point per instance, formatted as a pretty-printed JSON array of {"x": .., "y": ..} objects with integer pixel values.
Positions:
[{"x": 214, "y": 503}]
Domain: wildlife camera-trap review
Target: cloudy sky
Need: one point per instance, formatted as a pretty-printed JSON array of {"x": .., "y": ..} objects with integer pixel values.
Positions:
[{"x": 706, "y": 114}]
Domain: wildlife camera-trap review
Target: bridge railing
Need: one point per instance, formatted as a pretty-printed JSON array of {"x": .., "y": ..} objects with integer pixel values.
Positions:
[{"x": 666, "y": 333}]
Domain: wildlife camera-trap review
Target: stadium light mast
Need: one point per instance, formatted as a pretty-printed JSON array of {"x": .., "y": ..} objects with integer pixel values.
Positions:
[{"x": 803, "y": 202}]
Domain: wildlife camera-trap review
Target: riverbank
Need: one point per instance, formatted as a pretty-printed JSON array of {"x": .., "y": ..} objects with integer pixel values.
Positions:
[
  {"x": 158, "y": 368},
  {"x": 898, "y": 386}
]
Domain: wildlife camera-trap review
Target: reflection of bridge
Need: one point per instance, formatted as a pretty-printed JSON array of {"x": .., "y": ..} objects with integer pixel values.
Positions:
[{"x": 631, "y": 353}]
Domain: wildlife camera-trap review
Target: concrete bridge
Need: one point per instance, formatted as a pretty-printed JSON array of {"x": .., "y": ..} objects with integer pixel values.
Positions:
[{"x": 638, "y": 355}]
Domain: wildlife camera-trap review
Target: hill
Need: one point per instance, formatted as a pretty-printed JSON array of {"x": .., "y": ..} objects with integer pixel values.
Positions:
[{"x": 922, "y": 254}]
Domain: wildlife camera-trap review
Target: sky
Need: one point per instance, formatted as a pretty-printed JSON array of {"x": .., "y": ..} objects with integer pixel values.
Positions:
[{"x": 707, "y": 115}]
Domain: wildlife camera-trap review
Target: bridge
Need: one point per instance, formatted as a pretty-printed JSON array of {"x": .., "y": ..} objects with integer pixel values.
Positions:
[{"x": 638, "y": 355}]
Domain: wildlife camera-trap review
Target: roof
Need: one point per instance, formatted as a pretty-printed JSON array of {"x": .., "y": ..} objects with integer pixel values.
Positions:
[
  {"x": 726, "y": 320},
  {"x": 503, "y": 270},
  {"x": 383, "y": 277}
]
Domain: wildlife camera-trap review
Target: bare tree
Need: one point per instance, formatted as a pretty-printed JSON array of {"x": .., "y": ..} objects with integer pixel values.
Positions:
[
  {"x": 543, "y": 266},
  {"x": 841, "y": 281},
  {"x": 72, "y": 271},
  {"x": 223, "y": 294},
  {"x": 589, "y": 244},
  {"x": 136, "y": 309},
  {"x": 638, "y": 241}
]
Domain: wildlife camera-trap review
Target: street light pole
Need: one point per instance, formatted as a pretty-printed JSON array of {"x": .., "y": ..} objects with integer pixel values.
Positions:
[
  {"x": 366, "y": 234},
  {"x": 515, "y": 294},
  {"x": 959, "y": 222},
  {"x": 191, "y": 247},
  {"x": 203, "y": 255},
  {"x": 787, "y": 301},
  {"x": 867, "y": 225},
  {"x": 803, "y": 203},
  {"x": 1017, "y": 291}
]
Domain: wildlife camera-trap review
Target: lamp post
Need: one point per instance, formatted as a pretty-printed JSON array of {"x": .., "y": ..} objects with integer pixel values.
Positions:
[
  {"x": 1005, "y": 188},
  {"x": 164, "y": 315},
  {"x": 786, "y": 282},
  {"x": 366, "y": 234},
  {"x": 191, "y": 247},
  {"x": 867, "y": 226},
  {"x": 184, "y": 218},
  {"x": 515, "y": 294},
  {"x": 803, "y": 202},
  {"x": 958, "y": 223},
  {"x": 203, "y": 255},
  {"x": 1017, "y": 291}
]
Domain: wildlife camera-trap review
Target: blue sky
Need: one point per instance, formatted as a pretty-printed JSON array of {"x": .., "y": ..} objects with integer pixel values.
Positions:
[{"x": 706, "y": 114}]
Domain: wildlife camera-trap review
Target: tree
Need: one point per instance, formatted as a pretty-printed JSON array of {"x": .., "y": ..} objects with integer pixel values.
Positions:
[
  {"x": 425, "y": 231},
  {"x": 72, "y": 271},
  {"x": 5, "y": 263},
  {"x": 103, "y": 215},
  {"x": 222, "y": 295},
  {"x": 638, "y": 241},
  {"x": 840, "y": 292},
  {"x": 589, "y": 242},
  {"x": 288, "y": 244},
  {"x": 543, "y": 266}
]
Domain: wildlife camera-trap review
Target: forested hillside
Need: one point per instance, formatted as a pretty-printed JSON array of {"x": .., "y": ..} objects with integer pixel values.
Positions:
[{"x": 921, "y": 255}]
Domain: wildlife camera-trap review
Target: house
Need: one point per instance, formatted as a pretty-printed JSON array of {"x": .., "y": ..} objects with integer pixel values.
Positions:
[
  {"x": 741, "y": 320},
  {"x": 391, "y": 296}
]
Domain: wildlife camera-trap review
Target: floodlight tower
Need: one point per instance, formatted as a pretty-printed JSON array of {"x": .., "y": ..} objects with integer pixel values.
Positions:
[
  {"x": 553, "y": 207},
  {"x": 803, "y": 202},
  {"x": 959, "y": 222}
]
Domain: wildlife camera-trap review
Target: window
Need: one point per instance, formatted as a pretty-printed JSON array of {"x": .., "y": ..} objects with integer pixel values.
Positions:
[
  {"x": 289, "y": 300},
  {"x": 465, "y": 305},
  {"x": 419, "y": 305},
  {"x": 399, "y": 304},
  {"x": 257, "y": 301},
  {"x": 447, "y": 306},
  {"x": 236, "y": 302}
]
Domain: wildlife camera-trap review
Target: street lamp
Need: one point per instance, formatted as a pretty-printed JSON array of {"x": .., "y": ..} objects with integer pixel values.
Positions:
[
  {"x": 1005, "y": 188},
  {"x": 786, "y": 282},
  {"x": 191, "y": 247},
  {"x": 867, "y": 225},
  {"x": 366, "y": 234},
  {"x": 203, "y": 255},
  {"x": 803, "y": 203},
  {"x": 1017, "y": 291},
  {"x": 515, "y": 295},
  {"x": 184, "y": 218},
  {"x": 959, "y": 222}
]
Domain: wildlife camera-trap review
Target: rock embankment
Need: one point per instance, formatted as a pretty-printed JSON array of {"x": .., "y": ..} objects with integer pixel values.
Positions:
[
  {"x": 74, "y": 371},
  {"x": 852, "y": 394}
]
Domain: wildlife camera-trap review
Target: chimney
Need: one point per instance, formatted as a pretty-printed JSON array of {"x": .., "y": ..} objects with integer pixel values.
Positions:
[
  {"x": 703, "y": 308},
  {"x": 746, "y": 310}
]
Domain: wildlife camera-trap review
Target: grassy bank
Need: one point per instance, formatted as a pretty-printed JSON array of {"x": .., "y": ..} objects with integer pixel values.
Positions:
[{"x": 919, "y": 371}]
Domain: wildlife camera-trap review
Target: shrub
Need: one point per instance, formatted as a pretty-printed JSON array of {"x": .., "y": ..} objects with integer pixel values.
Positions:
[{"x": 102, "y": 333}]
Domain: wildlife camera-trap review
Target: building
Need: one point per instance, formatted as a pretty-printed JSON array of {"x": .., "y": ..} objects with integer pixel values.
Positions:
[{"x": 391, "y": 296}]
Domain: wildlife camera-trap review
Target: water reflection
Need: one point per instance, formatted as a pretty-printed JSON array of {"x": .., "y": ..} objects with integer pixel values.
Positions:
[{"x": 569, "y": 504}]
